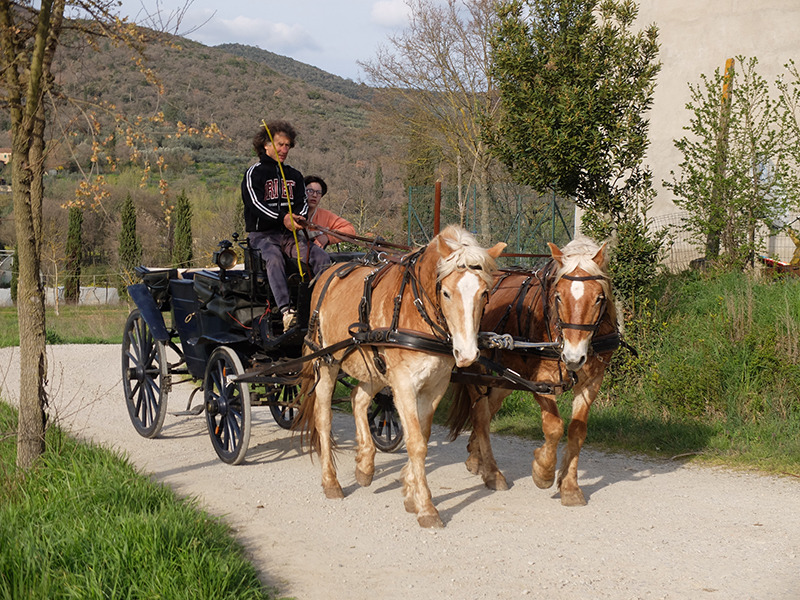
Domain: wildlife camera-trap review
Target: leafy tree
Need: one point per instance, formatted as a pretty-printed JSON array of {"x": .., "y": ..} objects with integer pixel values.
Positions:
[
  {"x": 130, "y": 246},
  {"x": 182, "y": 249},
  {"x": 734, "y": 178},
  {"x": 575, "y": 82},
  {"x": 72, "y": 280}
]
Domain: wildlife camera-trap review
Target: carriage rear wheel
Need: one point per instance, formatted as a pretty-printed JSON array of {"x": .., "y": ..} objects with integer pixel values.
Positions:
[
  {"x": 384, "y": 425},
  {"x": 227, "y": 406},
  {"x": 282, "y": 404},
  {"x": 145, "y": 376}
]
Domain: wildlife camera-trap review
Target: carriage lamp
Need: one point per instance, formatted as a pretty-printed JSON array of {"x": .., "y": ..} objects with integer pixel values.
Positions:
[{"x": 225, "y": 257}]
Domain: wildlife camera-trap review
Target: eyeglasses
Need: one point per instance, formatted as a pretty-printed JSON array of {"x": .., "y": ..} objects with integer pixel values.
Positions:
[{"x": 310, "y": 192}]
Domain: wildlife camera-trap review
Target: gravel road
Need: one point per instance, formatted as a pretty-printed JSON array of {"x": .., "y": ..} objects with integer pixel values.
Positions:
[{"x": 652, "y": 529}]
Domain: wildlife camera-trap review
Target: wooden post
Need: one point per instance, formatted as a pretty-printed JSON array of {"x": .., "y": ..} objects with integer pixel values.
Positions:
[{"x": 437, "y": 207}]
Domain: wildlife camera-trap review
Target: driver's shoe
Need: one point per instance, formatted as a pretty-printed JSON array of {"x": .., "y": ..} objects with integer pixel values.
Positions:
[{"x": 289, "y": 319}]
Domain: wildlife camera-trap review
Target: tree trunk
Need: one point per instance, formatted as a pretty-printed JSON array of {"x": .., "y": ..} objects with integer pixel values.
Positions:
[{"x": 30, "y": 308}]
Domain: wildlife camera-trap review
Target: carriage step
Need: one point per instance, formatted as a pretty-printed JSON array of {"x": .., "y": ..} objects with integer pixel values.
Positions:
[{"x": 189, "y": 413}]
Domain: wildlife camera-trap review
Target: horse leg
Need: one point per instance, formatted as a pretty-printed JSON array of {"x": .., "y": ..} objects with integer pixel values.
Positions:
[
  {"x": 585, "y": 393},
  {"x": 323, "y": 416},
  {"x": 417, "y": 424},
  {"x": 478, "y": 414},
  {"x": 365, "y": 456},
  {"x": 482, "y": 418},
  {"x": 544, "y": 457}
]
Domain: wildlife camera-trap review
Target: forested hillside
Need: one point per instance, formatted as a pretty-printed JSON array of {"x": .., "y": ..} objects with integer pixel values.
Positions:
[
  {"x": 308, "y": 73},
  {"x": 201, "y": 85}
]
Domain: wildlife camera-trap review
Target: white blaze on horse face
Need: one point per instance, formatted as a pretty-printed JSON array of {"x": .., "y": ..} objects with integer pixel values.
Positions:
[
  {"x": 464, "y": 319},
  {"x": 576, "y": 342},
  {"x": 577, "y": 289}
]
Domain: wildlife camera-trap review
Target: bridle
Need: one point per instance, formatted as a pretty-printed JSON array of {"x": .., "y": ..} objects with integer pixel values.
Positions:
[{"x": 593, "y": 327}]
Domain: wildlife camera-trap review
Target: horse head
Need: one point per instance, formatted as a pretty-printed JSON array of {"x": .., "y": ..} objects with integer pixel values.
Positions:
[
  {"x": 465, "y": 271},
  {"x": 582, "y": 297}
]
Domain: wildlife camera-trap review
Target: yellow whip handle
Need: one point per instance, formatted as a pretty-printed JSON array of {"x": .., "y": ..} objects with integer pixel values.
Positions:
[{"x": 288, "y": 199}]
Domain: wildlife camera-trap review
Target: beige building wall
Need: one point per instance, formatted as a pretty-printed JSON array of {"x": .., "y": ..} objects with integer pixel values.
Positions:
[{"x": 697, "y": 36}]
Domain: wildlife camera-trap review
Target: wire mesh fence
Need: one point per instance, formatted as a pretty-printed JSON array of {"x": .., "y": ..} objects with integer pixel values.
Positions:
[{"x": 516, "y": 215}]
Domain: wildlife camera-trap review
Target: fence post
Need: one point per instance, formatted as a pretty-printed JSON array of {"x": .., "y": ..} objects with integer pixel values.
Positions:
[{"x": 437, "y": 207}]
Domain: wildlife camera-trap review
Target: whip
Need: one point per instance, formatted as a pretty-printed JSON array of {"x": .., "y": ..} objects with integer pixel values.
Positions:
[{"x": 288, "y": 200}]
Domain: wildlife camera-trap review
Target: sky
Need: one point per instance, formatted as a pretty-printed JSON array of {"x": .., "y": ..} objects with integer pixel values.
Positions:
[{"x": 329, "y": 34}]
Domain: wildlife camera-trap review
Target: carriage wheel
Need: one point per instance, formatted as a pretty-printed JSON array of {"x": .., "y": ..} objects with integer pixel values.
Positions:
[
  {"x": 385, "y": 427},
  {"x": 227, "y": 406},
  {"x": 144, "y": 376},
  {"x": 282, "y": 404}
]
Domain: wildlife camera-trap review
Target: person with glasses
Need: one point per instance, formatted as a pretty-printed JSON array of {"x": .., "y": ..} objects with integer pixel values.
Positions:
[
  {"x": 271, "y": 217},
  {"x": 316, "y": 188}
]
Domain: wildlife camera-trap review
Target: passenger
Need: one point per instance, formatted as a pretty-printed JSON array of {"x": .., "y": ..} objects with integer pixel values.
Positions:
[
  {"x": 268, "y": 218},
  {"x": 316, "y": 188}
]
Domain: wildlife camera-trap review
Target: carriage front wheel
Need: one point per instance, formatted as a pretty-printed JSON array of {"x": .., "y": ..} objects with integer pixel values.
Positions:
[
  {"x": 145, "y": 376},
  {"x": 227, "y": 406}
]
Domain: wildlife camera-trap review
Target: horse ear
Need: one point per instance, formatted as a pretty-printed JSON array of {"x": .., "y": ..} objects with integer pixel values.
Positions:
[
  {"x": 497, "y": 249},
  {"x": 444, "y": 248},
  {"x": 600, "y": 258},
  {"x": 555, "y": 252}
]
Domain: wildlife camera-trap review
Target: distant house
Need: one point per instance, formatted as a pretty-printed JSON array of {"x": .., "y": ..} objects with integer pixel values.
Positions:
[{"x": 5, "y": 155}]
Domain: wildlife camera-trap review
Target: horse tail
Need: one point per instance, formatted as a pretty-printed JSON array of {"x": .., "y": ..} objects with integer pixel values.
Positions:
[
  {"x": 305, "y": 422},
  {"x": 459, "y": 414}
]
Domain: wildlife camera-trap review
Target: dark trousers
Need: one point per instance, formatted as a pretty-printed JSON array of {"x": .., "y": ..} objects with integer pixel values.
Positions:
[{"x": 275, "y": 246}]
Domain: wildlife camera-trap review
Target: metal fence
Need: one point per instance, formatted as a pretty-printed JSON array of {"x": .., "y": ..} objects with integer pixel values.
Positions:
[{"x": 521, "y": 218}]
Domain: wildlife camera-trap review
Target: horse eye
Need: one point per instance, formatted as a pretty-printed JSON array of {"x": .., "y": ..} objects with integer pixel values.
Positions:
[
  {"x": 446, "y": 294},
  {"x": 600, "y": 298},
  {"x": 476, "y": 267}
]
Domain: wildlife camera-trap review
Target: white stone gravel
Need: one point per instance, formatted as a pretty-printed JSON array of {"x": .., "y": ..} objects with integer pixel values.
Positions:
[{"x": 652, "y": 529}]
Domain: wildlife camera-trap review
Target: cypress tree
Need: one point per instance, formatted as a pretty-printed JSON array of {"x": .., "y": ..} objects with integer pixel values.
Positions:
[
  {"x": 72, "y": 281},
  {"x": 182, "y": 248},
  {"x": 130, "y": 246}
]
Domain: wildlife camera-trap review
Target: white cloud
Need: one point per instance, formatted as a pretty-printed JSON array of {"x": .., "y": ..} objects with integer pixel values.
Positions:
[
  {"x": 390, "y": 13},
  {"x": 280, "y": 38}
]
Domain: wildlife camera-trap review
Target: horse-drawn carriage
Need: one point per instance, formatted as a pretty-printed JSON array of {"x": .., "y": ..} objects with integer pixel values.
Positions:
[
  {"x": 388, "y": 321},
  {"x": 223, "y": 321}
]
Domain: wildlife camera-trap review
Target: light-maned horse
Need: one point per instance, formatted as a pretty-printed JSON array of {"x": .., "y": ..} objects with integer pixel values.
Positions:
[
  {"x": 570, "y": 302},
  {"x": 434, "y": 297}
]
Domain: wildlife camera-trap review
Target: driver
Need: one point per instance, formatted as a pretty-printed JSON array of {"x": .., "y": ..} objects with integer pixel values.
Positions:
[{"x": 270, "y": 217}]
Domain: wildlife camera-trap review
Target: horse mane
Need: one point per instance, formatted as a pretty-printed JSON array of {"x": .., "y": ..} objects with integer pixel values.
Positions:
[
  {"x": 467, "y": 254},
  {"x": 579, "y": 253}
]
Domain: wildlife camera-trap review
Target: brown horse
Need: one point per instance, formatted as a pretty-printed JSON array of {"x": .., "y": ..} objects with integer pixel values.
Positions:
[
  {"x": 416, "y": 318},
  {"x": 569, "y": 302}
]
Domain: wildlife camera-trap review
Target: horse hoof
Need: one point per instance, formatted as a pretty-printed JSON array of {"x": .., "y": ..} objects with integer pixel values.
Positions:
[
  {"x": 497, "y": 483},
  {"x": 363, "y": 479},
  {"x": 542, "y": 482},
  {"x": 430, "y": 521},
  {"x": 334, "y": 493},
  {"x": 573, "y": 498}
]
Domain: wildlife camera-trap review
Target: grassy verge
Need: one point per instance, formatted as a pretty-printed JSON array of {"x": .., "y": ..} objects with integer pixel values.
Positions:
[
  {"x": 86, "y": 524},
  {"x": 73, "y": 325}
]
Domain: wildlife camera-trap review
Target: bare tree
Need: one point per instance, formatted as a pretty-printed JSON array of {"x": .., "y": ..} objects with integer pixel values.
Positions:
[
  {"x": 30, "y": 34},
  {"x": 434, "y": 78}
]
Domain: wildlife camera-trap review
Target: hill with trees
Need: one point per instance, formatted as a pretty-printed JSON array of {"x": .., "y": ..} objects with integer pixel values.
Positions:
[{"x": 198, "y": 86}]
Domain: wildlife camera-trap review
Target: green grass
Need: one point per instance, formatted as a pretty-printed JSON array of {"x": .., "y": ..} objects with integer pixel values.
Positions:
[
  {"x": 85, "y": 524},
  {"x": 73, "y": 325}
]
